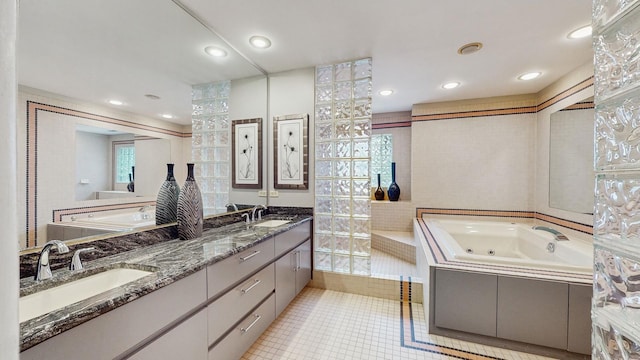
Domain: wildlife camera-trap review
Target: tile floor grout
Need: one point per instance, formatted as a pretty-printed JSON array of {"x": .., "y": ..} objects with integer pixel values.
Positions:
[{"x": 325, "y": 324}]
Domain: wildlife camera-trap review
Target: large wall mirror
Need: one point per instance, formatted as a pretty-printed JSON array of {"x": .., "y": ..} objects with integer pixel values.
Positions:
[
  {"x": 147, "y": 53},
  {"x": 571, "y": 175}
]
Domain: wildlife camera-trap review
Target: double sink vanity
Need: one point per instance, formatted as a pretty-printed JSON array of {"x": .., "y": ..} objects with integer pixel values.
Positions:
[{"x": 209, "y": 297}]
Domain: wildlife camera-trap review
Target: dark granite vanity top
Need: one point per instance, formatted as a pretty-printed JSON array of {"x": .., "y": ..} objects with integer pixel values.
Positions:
[{"x": 169, "y": 260}]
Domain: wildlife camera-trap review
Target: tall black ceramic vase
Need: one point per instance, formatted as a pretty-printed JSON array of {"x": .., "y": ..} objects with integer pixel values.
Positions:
[
  {"x": 190, "y": 208},
  {"x": 394, "y": 189},
  {"x": 167, "y": 201},
  {"x": 379, "y": 194}
]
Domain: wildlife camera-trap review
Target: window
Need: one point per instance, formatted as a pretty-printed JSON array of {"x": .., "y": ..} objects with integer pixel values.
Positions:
[
  {"x": 124, "y": 158},
  {"x": 381, "y": 158}
]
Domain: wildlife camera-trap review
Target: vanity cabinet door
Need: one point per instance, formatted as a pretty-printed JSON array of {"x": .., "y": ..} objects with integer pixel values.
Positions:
[
  {"x": 533, "y": 311},
  {"x": 466, "y": 301},
  {"x": 285, "y": 281},
  {"x": 303, "y": 273},
  {"x": 186, "y": 341}
]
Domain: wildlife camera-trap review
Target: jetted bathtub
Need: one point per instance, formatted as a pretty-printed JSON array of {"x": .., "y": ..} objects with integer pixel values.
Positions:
[{"x": 507, "y": 243}]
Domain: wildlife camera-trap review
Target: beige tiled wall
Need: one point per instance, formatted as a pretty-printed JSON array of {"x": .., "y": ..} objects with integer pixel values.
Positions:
[{"x": 393, "y": 216}]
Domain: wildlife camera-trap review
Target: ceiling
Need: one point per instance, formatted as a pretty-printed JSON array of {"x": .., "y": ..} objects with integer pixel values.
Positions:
[{"x": 96, "y": 50}]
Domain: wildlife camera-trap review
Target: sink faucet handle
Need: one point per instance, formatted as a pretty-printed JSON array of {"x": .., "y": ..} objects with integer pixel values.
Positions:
[
  {"x": 43, "y": 270},
  {"x": 76, "y": 262}
]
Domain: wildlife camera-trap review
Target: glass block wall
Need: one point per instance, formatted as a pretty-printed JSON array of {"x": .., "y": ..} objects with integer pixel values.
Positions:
[
  {"x": 342, "y": 234},
  {"x": 616, "y": 290},
  {"x": 211, "y": 146}
]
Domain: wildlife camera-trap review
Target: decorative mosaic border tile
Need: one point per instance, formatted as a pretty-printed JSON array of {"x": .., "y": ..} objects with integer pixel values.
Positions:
[{"x": 408, "y": 335}]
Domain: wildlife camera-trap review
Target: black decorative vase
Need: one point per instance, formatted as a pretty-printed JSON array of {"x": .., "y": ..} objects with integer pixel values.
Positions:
[
  {"x": 394, "y": 189},
  {"x": 379, "y": 194},
  {"x": 167, "y": 202},
  {"x": 132, "y": 176},
  {"x": 190, "y": 208}
]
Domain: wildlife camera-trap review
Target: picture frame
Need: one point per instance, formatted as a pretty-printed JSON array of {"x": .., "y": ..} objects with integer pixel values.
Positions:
[
  {"x": 291, "y": 151},
  {"x": 246, "y": 154}
]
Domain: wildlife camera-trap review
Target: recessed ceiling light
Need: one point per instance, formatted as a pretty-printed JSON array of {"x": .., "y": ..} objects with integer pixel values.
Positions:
[
  {"x": 529, "y": 76},
  {"x": 115, "y": 102},
  {"x": 385, "y": 92},
  {"x": 260, "y": 42},
  {"x": 167, "y": 116},
  {"x": 580, "y": 32},
  {"x": 451, "y": 85},
  {"x": 215, "y": 51},
  {"x": 469, "y": 48}
]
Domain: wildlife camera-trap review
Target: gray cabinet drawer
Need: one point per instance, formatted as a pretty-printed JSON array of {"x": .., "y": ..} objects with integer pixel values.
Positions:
[
  {"x": 290, "y": 239},
  {"x": 245, "y": 333},
  {"x": 236, "y": 303},
  {"x": 227, "y": 272}
]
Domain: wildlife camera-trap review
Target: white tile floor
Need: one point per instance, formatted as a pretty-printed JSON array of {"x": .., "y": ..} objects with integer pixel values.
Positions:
[
  {"x": 385, "y": 264},
  {"x": 325, "y": 324}
]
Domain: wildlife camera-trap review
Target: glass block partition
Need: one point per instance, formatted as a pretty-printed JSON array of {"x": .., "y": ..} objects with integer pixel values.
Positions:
[
  {"x": 211, "y": 146},
  {"x": 616, "y": 289},
  {"x": 342, "y": 234}
]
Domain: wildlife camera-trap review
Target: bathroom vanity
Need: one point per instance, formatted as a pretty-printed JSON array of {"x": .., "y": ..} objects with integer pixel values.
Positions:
[{"x": 207, "y": 298}]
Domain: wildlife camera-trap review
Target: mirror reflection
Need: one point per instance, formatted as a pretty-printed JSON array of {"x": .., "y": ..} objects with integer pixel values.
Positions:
[
  {"x": 571, "y": 175},
  {"x": 107, "y": 160},
  {"x": 73, "y": 59}
]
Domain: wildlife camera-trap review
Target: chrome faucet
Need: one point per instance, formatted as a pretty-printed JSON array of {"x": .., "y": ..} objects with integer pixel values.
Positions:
[
  {"x": 253, "y": 212},
  {"x": 557, "y": 235},
  {"x": 44, "y": 270},
  {"x": 235, "y": 207},
  {"x": 76, "y": 263}
]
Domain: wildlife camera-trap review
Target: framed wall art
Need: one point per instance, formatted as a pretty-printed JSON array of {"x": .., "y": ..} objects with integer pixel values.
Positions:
[
  {"x": 291, "y": 151},
  {"x": 246, "y": 158}
]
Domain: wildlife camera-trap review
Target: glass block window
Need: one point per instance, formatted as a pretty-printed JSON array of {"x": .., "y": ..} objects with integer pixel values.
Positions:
[
  {"x": 381, "y": 158},
  {"x": 211, "y": 144},
  {"x": 343, "y": 168},
  {"x": 125, "y": 159}
]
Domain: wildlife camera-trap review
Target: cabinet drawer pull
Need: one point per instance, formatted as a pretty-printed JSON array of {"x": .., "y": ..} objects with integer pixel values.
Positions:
[
  {"x": 250, "y": 256},
  {"x": 244, "y": 330},
  {"x": 255, "y": 283}
]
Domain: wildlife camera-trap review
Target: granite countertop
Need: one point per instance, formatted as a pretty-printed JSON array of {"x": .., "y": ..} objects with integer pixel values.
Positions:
[{"x": 169, "y": 260}]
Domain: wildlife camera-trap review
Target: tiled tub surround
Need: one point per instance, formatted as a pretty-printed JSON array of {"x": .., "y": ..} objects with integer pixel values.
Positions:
[
  {"x": 170, "y": 261},
  {"x": 510, "y": 301}
]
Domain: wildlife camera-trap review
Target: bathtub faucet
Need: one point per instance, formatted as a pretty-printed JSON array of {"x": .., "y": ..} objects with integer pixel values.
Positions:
[
  {"x": 557, "y": 235},
  {"x": 144, "y": 208}
]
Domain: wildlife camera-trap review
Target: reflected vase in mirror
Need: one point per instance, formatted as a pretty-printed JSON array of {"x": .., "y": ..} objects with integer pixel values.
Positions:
[
  {"x": 379, "y": 194},
  {"x": 167, "y": 201},
  {"x": 394, "y": 190},
  {"x": 130, "y": 185},
  {"x": 190, "y": 211}
]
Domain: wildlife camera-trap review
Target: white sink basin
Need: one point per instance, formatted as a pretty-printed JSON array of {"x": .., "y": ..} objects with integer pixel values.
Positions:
[
  {"x": 273, "y": 223},
  {"x": 44, "y": 301}
]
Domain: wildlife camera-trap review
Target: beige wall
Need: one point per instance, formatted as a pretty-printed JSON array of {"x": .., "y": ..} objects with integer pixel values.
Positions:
[
  {"x": 474, "y": 163},
  {"x": 292, "y": 92}
]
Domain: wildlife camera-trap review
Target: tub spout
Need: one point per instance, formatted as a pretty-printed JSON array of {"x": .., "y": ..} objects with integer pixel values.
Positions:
[{"x": 557, "y": 235}]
